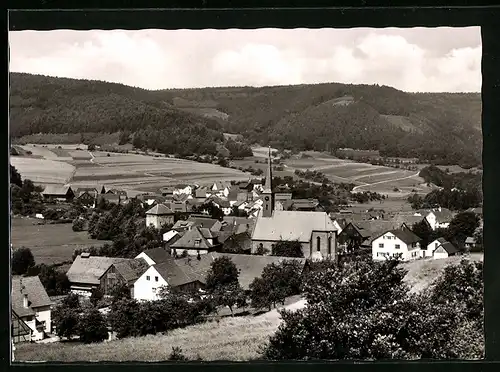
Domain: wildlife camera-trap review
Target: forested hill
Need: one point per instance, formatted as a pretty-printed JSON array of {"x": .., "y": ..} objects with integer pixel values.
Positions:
[
  {"x": 40, "y": 104},
  {"x": 442, "y": 127}
]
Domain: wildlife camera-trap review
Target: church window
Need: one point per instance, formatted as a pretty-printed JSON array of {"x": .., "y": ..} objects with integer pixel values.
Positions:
[{"x": 318, "y": 243}]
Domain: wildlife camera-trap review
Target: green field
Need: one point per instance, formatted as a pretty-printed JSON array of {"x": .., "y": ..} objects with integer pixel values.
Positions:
[{"x": 50, "y": 244}]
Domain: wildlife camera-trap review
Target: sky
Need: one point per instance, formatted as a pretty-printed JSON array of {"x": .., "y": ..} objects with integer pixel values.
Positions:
[{"x": 441, "y": 59}]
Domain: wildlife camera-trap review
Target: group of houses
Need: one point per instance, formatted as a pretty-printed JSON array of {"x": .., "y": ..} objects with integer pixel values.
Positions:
[{"x": 87, "y": 196}]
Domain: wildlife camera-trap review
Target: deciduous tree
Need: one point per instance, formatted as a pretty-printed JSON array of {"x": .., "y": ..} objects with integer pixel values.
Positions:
[{"x": 22, "y": 260}]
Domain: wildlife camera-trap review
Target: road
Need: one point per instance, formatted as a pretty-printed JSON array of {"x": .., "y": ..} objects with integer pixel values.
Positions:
[{"x": 392, "y": 180}]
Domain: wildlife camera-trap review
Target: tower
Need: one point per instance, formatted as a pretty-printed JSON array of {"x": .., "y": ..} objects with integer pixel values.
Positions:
[{"x": 268, "y": 205}]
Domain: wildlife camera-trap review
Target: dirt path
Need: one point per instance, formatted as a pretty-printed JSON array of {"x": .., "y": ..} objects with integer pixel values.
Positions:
[{"x": 386, "y": 181}]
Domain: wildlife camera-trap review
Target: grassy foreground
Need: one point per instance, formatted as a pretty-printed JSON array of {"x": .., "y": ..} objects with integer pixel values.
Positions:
[{"x": 234, "y": 339}]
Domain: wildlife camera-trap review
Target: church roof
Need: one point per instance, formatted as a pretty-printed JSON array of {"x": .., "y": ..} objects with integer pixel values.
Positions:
[{"x": 291, "y": 225}]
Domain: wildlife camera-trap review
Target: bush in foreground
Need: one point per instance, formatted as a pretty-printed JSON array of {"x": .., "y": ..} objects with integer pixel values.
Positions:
[{"x": 363, "y": 310}]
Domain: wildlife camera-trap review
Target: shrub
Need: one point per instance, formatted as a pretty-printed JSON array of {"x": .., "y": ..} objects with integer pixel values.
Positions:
[
  {"x": 78, "y": 224},
  {"x": 92, "y": 327},
  {"x": 22, "y": 260},
  {"x": 177, "y": 355}
]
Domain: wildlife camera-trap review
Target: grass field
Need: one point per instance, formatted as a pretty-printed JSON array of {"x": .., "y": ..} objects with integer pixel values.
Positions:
[
  {"x": 132, "y": 172},
  {"x": 231, "y": 339},
  {"x": 50, "y": 244},
  {"x": 43, "y": 171}
]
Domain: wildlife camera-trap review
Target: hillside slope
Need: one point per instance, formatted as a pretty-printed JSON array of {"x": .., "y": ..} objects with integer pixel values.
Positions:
[
  {"x": 441, "y": 127},
  {"x": 40, "y": 104}
]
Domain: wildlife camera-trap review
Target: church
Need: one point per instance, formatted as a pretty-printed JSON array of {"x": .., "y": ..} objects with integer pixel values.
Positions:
[{"x": 314, "y": 230}]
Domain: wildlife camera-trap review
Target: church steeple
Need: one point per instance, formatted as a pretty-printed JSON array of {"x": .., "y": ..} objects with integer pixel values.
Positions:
[{"x": 268, "y": 205}]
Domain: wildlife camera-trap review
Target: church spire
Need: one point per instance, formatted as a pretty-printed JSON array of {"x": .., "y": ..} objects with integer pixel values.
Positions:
[
  {"x": 268, "y": 205},
  {"x": 269, "y": 174}
]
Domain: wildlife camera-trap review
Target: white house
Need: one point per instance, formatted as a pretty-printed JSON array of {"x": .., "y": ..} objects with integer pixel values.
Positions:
[
  {"x": 185, "y": 189},
  {"x": 32, "y": 305},
  {"x": 159, "y": 215},
  {"x": 146, "y": 288},
  {"x": 431, "y": 247},
  {"x": 399, "y": 243},
  {"x": 444, "y": 250},
  {"x": 439, "y": 218},
  {"x": 220, "y": 189}
]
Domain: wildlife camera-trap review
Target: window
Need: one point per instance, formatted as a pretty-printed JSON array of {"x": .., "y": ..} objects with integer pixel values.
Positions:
[
  {"x": 318, "y": 243},
  {"x": 153, "y": 290},
  {"x": 156, "y": 278},
  {"x": 398, "y": 246},
  {"x": 148, "y": 277},
  {"x": 381, "y": 245}
]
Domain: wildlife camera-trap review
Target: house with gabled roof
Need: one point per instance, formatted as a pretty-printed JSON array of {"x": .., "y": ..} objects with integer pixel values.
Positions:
[
  {"x": 159, "y": 215},
  {"x": 122, "y": 273},
  {"x": 60, "y": 193},
  {"x": 85, "y": 272},
  {"x": 441, "y": 248},
  {"x": 20, "y": 331},
  {"x": 439, "y": 218},
  {"x": 198, "y": 220},
  {"x": 32, "y": 305},
  {"x": 399, "y": 243},
  {"x": 195, "y": 241},
  {"x": 352, "y": 237},
  {"x": 431, "y": 247}
]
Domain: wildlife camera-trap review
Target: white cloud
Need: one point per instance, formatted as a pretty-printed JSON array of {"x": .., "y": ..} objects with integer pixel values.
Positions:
[{"x": 407, "y": 59}]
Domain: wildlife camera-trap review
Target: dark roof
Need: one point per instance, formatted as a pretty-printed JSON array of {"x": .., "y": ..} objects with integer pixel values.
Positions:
[
  {"x": 211, "y": 223},
  {"x": 90, "y": 190},
  {"x": 189, "y": 239},
  {"x": 448, "y": 247},
  {"x": 33, "y": 288},
  {"x": 406, "y": 235},
  {"x": 174, "y": 275},
  {"x": 131, "y": 270},
  {"x": 110, "y": 197},
  {"x": 158, "y": 255},
  {"x": 444, "y": 215},
  {"x": 243, "y": 240}
]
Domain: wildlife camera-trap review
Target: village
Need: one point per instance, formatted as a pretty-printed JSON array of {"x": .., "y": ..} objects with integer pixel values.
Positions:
[{"x": 244, "y": 221}]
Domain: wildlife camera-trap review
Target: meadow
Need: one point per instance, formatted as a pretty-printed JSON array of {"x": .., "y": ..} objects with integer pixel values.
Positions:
[
  {"x": 43, "y": 171},
  {"x": 50, "y": 244}
]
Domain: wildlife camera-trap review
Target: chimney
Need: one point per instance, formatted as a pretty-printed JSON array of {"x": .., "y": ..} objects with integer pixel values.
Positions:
[{"x": 25, "y": 300}]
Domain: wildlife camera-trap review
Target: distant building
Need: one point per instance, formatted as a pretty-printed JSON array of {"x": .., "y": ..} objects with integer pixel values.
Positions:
[
  {"x": 60, "y": 193},
  {"x": 352, "y": 237},
  {"x": 470, "y": 242},
  {"x": 439, "y": 218},
  {"x": 196, "y": 240},
  {"x": 154, "y": 256},
  {"x": 314, "y": 230},
  {"x": 399, "y": 243},
  {"x": 159, "y": 215},
  {"x": 441, "y": 248},
  {"x": 197, "y": 220},
  {"x": 31, "y": 307}
]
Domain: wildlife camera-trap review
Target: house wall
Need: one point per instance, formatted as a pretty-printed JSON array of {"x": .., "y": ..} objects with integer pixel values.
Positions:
[
  {"x": 43, "y": 314},
  {"x": 82, "y": 289},
  {"x": 191, "y": 252},
  {"x": 35, "y": 335},
  {"x": 146, "y": 290},
  {"x": 431, "y": 247},
  {"x": 110, "y": 280},
  {"x": 158, "y": 221},
  {"x": 389, "y": 249},
  {"x": 146, "y": 258},
  {"x": 440, "y": 253},
  {"x": 431, "y": 218}
]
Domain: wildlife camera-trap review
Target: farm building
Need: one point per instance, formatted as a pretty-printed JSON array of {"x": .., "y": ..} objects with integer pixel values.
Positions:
[
  {"x": 224, "y": 205},
  {"x": 195, "y": 241},
  {"x": 314, "y": 230},
  {"x": 32, "y": 306},
  {"x": 399, "y": 243},
  {"x": 178, "y": 206},
  {"x": 159, "y": 215},
  {"x": 61, "y": 193},
  {"x": 121, "y": 193},
  {"x": 445, "y": 250},
  {"x": 110, "y": 198},
  {"x": 85, "y": 273},
  {"x": 94, "y": 191},
  {"x": 154, "y": 256},
  {"x": 220, "y": 189},
  {"x": 239, "y": 243},
  {"x": 123, "y": 273},
  {"x": 167, "y": 191}
]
